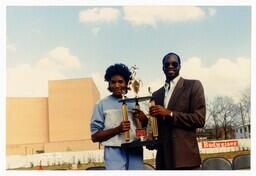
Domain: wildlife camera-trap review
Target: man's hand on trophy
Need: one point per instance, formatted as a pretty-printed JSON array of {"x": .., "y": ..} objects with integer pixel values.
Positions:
[
  {"x": 140, "y": 115},
  {"x": 158, "y": 110},
  {"x": 124, "y": 126}
]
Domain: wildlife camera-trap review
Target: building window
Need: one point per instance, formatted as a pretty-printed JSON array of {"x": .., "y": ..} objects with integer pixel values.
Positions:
[
  {"x": 245, "y": 129},
  {"x": 249, "y": 128},
  {"x": 241, "y": 130}
]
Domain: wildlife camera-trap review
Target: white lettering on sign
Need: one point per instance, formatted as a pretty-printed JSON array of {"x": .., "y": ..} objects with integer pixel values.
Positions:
[{"x": 217, "y": 144}]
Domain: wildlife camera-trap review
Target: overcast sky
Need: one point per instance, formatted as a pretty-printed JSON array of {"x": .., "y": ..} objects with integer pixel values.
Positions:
[{"x": 49, "y": 43}]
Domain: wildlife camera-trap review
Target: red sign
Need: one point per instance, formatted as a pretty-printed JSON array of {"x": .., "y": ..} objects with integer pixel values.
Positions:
[
  {"x": 218, "y": 144},
  {"x": 141, "y": 132}
]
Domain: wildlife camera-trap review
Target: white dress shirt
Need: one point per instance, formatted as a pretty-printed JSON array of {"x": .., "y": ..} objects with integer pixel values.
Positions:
[{"x": 169, "y": 90}]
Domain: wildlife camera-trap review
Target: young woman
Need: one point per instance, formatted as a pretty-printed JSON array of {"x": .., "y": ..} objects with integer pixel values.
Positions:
[{"x": 107, "y": 126}]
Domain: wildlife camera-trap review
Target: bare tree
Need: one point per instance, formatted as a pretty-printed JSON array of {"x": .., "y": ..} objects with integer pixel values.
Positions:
[
  {"x": 244, "y": 108},
  {"x": 228, "y": 114},
  {"x": 222, "y": 113},
  {"x": 244, "y": 105},
  {"x": 212, "y": 114}
]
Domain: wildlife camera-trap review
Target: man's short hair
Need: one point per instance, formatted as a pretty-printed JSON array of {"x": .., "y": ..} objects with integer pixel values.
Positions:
[
  {"x": 118, "y": 69},
  {"x": 171, "y": 54}
]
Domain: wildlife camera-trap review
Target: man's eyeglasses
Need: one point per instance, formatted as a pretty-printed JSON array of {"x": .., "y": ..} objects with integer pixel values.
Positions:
[{"x": 174, "y": 64}]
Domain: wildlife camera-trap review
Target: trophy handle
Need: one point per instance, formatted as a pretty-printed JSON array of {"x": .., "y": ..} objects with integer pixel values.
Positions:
[
  {"x": 125, "y": 118},
  {"x": 154, "y": 125}
]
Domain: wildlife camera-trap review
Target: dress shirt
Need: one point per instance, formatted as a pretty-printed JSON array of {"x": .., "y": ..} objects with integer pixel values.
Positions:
[{"x": 169, "y": 87}]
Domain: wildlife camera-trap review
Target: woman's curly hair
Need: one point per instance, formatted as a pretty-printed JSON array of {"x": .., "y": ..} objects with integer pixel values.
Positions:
[{"x": 118, "y": 69}]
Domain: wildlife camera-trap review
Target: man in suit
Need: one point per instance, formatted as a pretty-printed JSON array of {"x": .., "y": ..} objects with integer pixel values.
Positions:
[{"x": 180, "y": 109}]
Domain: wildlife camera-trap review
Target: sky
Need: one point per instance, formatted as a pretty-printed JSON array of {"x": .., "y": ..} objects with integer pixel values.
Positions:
[
  {"x": 48, "y": 43},
  {"x": 69, "y": 42}
]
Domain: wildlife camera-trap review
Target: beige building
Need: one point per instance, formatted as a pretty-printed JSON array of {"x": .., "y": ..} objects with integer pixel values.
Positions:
[{"x": 59, "y": 122}]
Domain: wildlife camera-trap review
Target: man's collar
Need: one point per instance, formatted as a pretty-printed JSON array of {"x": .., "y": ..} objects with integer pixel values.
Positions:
[{"x": 173, "y": 82}]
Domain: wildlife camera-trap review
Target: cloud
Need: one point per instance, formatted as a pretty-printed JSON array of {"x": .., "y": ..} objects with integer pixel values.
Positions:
[
  {"x": 152, "y": 15},
  {"x": 32, "y": 79},
  {"x": 224, "y": 78},
  {"x": 10, "y": 47},
  {"x": 60, "y": 59},
  {"x": 99, "y": 15},
  {"x": 101, "y": 84},
  {"x": 145, "y": 15},
  {"x": 96, "y": 30},
  {"x": 36, "y": 31},
  {"x": 211, "y": 11}
]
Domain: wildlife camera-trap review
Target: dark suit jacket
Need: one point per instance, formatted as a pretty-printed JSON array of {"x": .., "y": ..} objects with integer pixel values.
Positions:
[{"x": 177, "y": 135}]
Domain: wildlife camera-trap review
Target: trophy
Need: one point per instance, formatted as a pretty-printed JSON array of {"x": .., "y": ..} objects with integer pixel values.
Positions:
[
  {"x": 144, "y": 135},
  {"x": 153, "y": 120},
  {"x": 125, "y": 117}
]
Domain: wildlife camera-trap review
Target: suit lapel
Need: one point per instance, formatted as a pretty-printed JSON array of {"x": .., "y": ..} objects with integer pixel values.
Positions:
[
  {"x": 161, "y": 96},
  {"x": 176, "y": 93}
]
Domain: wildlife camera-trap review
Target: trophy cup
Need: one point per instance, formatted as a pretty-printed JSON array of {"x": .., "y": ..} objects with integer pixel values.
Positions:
[
  {"x": 142, "y": 135},
  {"x": 125, "y": 117},
  {"x": 153, "y": 120}
]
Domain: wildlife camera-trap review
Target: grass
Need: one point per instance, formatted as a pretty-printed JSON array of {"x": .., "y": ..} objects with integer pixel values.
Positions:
[{"x": 228, "y": 155}]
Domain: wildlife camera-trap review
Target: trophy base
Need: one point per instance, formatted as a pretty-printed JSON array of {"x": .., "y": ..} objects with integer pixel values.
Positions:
[{"x": 139, "y": 143}]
